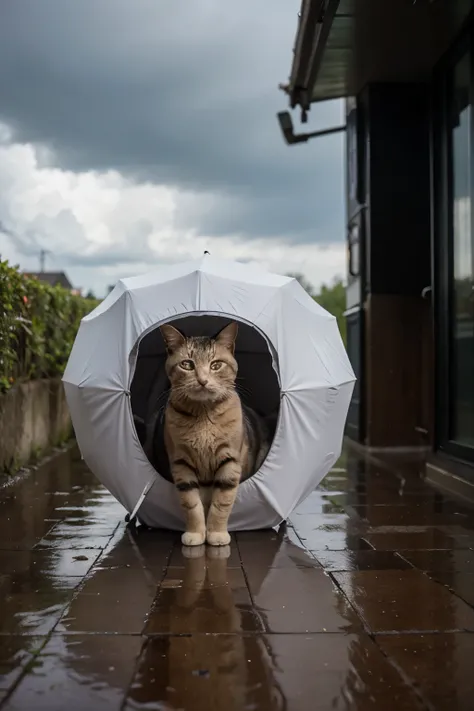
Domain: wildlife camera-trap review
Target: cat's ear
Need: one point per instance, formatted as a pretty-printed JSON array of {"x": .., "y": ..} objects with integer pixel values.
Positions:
[
  {"x": 172, "y": 337},
  {"x": 227, "y": 336}
]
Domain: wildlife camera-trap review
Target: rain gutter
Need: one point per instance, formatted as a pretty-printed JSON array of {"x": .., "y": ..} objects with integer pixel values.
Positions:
[{"x": 315, "y": 22}]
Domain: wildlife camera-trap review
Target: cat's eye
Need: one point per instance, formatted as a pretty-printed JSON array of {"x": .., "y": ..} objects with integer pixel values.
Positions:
[
  {"x": 216, "y": 365},
  {"x": 187, "y": 365}
]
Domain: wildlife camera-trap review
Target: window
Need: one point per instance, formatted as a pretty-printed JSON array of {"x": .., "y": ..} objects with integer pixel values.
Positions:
[
  {"x": 461, "y": 424},
  {"x": 453, "y": 153}
]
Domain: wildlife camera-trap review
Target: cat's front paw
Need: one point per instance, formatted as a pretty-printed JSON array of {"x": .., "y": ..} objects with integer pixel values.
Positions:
[
  {"x": 218, "y": 538},
  {"x": 193, "y": 538}
]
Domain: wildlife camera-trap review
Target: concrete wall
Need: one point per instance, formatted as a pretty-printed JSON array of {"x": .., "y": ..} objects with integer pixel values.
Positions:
[{"x": 33, "y": 418}]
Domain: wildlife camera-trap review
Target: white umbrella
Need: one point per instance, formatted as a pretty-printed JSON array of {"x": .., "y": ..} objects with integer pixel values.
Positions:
[{"x": 290, "y": 355}]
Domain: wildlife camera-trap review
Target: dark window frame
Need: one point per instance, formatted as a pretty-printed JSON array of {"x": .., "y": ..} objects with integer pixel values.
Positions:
[{"x": 442, "y": 239}]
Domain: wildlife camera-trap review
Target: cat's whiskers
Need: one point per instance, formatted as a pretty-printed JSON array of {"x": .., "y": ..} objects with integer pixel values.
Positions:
[
  {"x": 163, "y": 395},
  {"x": 212, "y": 438},
  {"x": 242, "y": 388}
]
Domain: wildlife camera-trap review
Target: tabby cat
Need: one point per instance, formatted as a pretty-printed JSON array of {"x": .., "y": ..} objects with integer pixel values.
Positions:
[{"x": 213, "y": 441}]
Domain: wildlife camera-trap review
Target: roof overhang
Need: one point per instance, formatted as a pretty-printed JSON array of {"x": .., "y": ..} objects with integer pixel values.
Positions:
[
  {"x": 342, "y": 45},
  {"x": 315, "y": 21}
]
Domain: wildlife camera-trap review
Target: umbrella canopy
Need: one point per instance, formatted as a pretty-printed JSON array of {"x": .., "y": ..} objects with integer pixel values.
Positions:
[{"x": 290, "y": 355}]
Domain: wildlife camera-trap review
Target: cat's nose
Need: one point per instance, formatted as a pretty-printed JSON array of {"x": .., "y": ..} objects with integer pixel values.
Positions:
[{"x": 203, "y": 381}]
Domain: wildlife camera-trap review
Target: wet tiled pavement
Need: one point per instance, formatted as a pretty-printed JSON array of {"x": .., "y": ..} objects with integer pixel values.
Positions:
[{"x": 365, "y": 600}]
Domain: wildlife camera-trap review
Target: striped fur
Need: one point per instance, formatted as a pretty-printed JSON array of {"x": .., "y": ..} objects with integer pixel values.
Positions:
[{"x": 213, "y": 441}]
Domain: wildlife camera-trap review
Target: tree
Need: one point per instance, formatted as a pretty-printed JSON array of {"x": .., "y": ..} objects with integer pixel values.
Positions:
[
  {"x": 90, "y": 295},
  {"x": 307, "y": 286},
  {"x": 333, "y": 299}
]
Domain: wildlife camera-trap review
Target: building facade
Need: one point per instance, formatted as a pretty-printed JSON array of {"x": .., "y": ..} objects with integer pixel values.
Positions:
[{"x": 406, "y": 71}]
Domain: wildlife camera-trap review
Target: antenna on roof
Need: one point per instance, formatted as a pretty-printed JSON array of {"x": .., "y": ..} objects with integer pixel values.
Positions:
[{"x": 43, "y": 254}]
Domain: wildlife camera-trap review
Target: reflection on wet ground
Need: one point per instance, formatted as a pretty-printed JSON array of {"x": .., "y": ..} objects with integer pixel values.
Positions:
[{"x": 365, "y": 600}]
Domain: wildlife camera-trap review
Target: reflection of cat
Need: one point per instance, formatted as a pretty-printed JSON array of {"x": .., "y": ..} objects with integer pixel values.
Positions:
[
  {"x": 193, "y": 669},
  {"x": 213, "y": 441},
  {"x": 206, "y": 575},
  {"x": 206, "y": 601},
  {"x": 202, "y": 652}
]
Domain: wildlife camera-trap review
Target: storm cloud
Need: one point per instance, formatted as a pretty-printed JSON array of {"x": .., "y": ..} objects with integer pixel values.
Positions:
[{"x": 175, "y": 93}]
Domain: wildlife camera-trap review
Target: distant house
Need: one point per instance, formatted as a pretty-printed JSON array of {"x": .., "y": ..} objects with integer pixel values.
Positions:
[{"x": 53, "y": 278}]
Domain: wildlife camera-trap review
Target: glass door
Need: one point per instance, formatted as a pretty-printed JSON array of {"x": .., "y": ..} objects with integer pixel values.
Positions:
[
  {"x": 461, "y": 425},
  {"x": 454, "y": 239}
]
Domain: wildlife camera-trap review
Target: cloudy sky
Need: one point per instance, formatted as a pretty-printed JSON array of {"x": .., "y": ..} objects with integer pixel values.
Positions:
[{"x": 140, "y": 132}]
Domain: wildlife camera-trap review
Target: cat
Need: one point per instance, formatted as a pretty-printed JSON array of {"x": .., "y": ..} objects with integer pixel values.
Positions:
[{"x": 213, "y": 441}]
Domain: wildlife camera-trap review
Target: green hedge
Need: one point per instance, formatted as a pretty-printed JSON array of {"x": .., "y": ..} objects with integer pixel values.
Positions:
[{"x": 38, "y": 324}]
